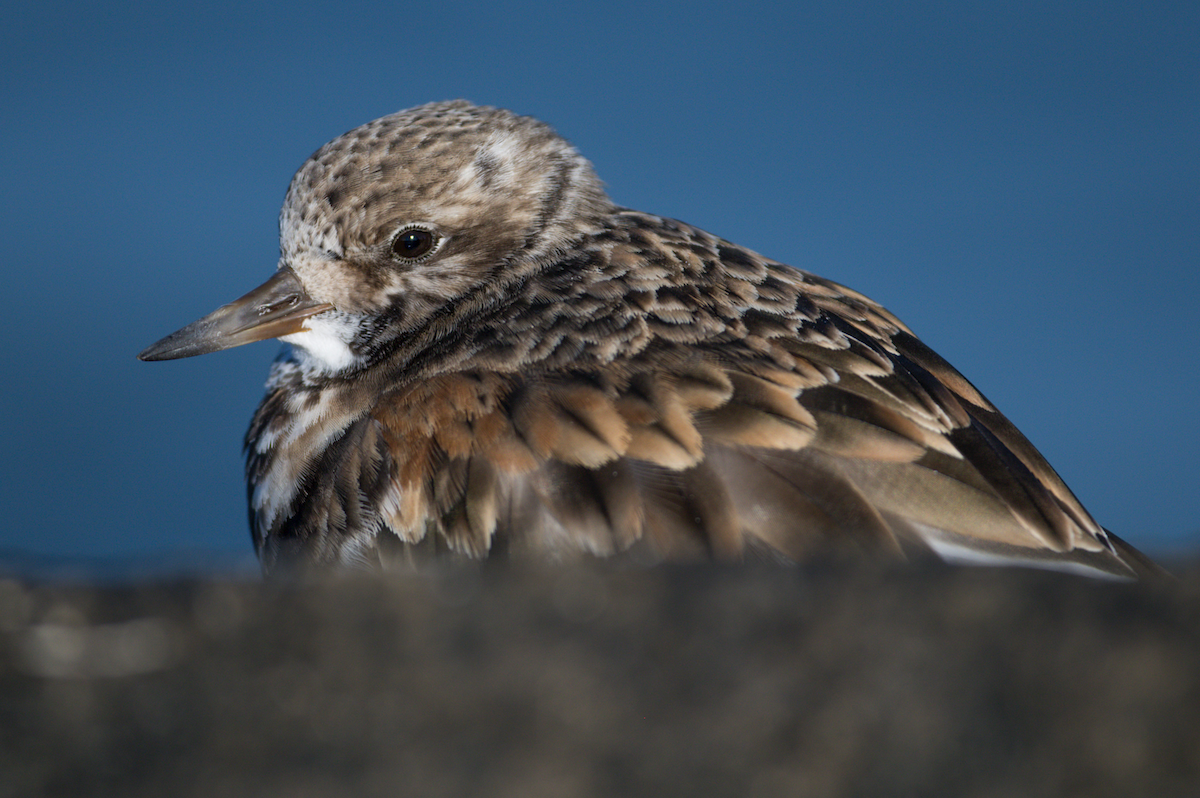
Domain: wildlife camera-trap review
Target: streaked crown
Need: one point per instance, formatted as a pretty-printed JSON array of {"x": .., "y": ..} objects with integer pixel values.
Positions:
[{"x": 478, "y": 191}]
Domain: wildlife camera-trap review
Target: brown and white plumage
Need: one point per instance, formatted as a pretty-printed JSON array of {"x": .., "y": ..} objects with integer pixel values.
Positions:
[{"x": 487, "y": 355}]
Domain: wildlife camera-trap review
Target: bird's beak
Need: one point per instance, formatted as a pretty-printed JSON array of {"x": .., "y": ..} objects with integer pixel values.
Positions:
[{"x": 277, "y": 307}]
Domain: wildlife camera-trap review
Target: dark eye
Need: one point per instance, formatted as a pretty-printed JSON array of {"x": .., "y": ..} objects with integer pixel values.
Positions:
[{"x": 413, "y": 243}]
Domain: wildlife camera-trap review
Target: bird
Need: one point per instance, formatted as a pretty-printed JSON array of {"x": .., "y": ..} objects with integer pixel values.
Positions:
[{"x": 487, "y": 357}]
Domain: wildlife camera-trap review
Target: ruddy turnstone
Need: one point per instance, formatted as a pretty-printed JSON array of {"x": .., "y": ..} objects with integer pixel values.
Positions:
[{"x": 486, "y": 354}]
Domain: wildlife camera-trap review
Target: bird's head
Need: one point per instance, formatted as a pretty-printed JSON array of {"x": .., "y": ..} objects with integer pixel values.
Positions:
[{"x": 397, "y": 223}]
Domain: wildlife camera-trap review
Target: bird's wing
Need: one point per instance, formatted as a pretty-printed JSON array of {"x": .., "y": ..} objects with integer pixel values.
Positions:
[{"x": 852, "y": 447}]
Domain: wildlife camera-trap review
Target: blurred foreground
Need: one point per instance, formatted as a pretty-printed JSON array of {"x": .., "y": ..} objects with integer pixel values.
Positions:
[{"x": 596, "y": 680}]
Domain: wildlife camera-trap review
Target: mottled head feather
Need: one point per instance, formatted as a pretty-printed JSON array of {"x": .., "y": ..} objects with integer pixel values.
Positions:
[{"x": 498, "y": 190}]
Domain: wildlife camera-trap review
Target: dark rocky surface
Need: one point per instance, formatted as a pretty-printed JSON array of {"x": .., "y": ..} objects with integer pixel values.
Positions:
[{"x": 595, "y": 680}]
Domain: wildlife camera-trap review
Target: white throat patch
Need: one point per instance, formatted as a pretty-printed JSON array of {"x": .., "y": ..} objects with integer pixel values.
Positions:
[{"x": 323, "y": 344}]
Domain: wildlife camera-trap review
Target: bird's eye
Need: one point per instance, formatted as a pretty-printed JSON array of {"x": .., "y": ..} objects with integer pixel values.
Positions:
[{"x": 413, "y": 243}]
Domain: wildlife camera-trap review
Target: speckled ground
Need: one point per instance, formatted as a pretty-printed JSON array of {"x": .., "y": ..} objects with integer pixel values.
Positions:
[{"x": 597, "y": 680}]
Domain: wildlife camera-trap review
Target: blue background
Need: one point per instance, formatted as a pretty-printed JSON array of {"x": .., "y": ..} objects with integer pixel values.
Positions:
[{"x": 1019, "y": 182}]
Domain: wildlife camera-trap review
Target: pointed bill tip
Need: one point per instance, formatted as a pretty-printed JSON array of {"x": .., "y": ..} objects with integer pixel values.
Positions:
[
  {"x": 277, "y": 307},
  {"x": 194, "y": 339}
]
